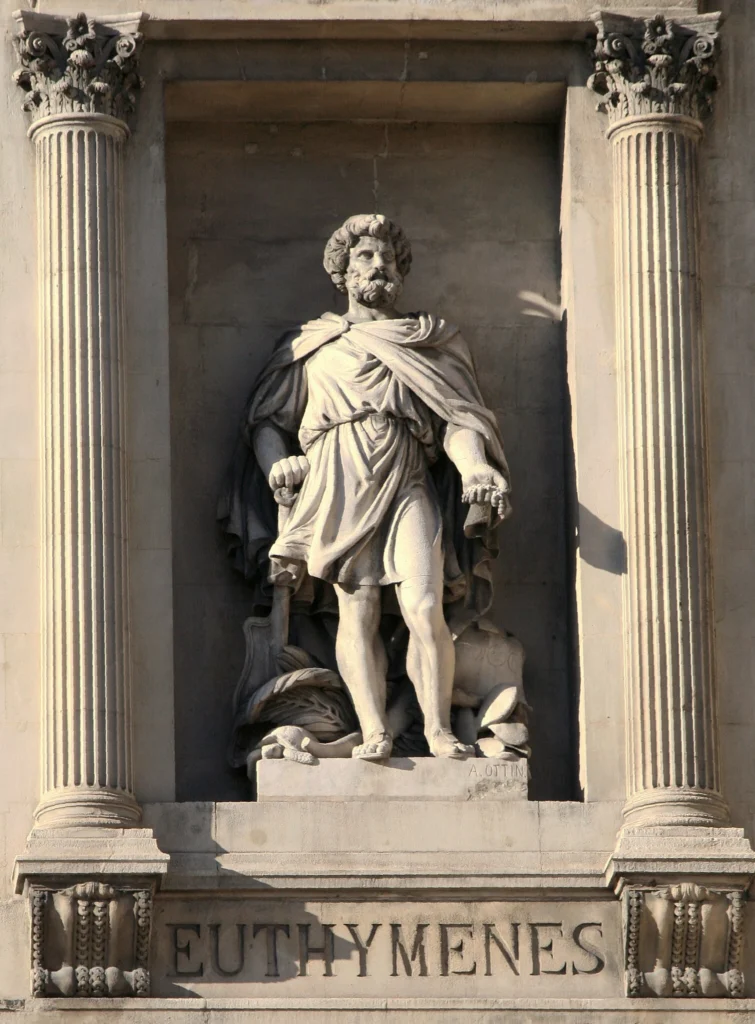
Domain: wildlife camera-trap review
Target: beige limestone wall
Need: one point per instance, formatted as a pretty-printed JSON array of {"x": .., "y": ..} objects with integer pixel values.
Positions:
[
  {"x": 19, "y": 511},
  {"x": 19, "y": 474},
  {"x": 728, "y": 270},
  {"x": 597, "y": 547},
  {"x": 250, "y": 206},
  {"x": 148, "y": 436}
]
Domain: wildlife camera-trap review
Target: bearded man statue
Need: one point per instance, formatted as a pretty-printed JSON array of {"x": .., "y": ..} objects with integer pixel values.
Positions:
[{"x": 369, "y": 429}]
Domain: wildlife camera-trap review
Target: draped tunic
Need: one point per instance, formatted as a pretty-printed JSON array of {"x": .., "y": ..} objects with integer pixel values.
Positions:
[
  {"x": 368, "y": 403},
  {"x": 369, "y": 441}
]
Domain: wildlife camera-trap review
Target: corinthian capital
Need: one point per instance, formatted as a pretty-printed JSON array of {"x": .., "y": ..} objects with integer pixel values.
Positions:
[
  {"x": 78, "y": 65},
  {"x": 655, "y": 65}
]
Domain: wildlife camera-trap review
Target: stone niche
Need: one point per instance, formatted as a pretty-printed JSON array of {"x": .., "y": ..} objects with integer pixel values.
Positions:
[{"x": 250, "y": 204}]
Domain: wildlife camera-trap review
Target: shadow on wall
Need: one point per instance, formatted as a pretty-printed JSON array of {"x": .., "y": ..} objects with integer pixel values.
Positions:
[{"x": 600, "y": 545}]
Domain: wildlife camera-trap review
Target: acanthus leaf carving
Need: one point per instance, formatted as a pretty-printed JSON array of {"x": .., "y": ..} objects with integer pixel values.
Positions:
[
  {"x": 86, "y": 67},
  {"x": 654, "y": 66}
]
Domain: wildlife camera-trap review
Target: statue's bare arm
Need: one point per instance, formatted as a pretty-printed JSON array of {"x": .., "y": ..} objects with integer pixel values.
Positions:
[{"x": 280, "y": 467}]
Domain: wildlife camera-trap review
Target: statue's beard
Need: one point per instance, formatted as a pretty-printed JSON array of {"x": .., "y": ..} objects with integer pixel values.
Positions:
[{"x": 377, "y": 291}]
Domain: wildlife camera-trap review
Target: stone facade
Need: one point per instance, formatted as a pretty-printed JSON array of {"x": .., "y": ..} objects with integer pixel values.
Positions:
[{"x": 168, "y": 180}]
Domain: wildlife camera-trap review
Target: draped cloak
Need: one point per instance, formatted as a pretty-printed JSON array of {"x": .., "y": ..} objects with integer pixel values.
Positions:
[{"x": 369, "y": 403}]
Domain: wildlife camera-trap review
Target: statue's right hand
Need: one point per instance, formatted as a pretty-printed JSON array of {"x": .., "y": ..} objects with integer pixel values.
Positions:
[{"x": 288, "y": 472}]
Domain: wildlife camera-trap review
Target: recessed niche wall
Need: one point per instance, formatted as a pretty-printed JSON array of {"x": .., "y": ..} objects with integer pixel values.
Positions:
[{"x": 250, "y": 206}]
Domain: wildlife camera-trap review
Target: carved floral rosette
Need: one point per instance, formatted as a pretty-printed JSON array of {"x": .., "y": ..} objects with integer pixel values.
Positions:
[
  {"x": 89, "y": 68},
  {"x": 683, "y": 940},
  {"x": 655, "y": 66},
  {"x": 90, "y": 940}
]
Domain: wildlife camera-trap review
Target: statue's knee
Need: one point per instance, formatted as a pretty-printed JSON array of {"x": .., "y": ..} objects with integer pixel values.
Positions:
[
  {"x": 423, "y": 609},
  {"x": 360, "y": 608}
]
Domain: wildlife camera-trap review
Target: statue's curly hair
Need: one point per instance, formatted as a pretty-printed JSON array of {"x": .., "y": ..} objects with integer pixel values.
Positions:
[{"x": 342, "y": 241}]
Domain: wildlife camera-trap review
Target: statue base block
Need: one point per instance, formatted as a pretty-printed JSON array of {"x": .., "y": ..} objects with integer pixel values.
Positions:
[{"x": 398, "y": 778}]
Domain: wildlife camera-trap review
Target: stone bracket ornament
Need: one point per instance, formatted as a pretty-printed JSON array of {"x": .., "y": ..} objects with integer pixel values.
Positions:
[
  {"x": 90, "y": 940},
  {"x": 78, "y": 65},
  {"x": 683, "y": 939},
  {"x": 654, "y": 66}
]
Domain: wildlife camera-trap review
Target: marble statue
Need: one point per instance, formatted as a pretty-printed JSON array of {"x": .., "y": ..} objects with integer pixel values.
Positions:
[{"x": 362, "y": 505}]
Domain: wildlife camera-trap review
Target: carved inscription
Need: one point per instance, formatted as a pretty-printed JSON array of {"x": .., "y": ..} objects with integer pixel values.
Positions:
[
  {"x": 386, "y": 947},
  {"x": 508, "y": 771},
  {"x": 196, "y": 949}
]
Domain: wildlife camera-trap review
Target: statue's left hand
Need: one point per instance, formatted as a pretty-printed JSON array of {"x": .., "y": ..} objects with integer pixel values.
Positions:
[{"x": 483, "y": 484}]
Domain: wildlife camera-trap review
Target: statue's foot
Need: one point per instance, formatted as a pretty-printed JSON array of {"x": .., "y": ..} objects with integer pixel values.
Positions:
[
  {"x": 377, "y": 746},
  {"x": 443, "y": 743}
]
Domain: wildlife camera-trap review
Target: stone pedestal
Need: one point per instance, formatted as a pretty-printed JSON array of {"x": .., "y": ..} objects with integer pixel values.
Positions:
[{"x": 399, "y": 778}]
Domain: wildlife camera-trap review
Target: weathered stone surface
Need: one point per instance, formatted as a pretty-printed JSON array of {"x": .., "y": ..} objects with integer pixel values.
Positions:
[
  {"x": 216, "y": 947},
  {"x": 396, "y": 779}
]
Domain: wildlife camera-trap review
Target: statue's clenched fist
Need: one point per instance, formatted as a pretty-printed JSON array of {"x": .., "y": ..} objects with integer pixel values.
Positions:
[{"x": 288, "y": 472}]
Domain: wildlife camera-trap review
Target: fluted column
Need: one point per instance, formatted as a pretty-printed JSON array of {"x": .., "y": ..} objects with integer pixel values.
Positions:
[
  {"x": 80, "y": 81},
  {"x": 655, "y": 79}
]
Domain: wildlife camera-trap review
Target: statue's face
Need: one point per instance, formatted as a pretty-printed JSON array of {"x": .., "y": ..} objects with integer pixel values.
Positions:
[{"x": 372, "y": 276}]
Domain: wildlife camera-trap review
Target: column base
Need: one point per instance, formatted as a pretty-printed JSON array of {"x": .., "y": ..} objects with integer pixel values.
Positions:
[
  {"x": 67, "y": 854},
  {"x": 672, "y": 806},
  {"x": 86, "y": 806}
]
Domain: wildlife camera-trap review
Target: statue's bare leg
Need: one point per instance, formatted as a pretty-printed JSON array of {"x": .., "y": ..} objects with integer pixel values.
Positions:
[
  {"x": 431, "y": 659},
  {"x": 363, "y": 663}
]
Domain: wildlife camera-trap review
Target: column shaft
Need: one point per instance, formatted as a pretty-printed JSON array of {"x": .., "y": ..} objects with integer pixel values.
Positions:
[
  {"x": 87, "y": 771},
  {"x": 671, "y": 713}
]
